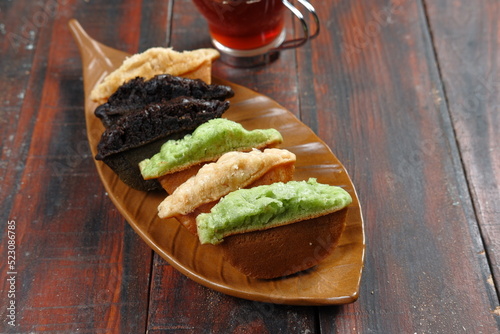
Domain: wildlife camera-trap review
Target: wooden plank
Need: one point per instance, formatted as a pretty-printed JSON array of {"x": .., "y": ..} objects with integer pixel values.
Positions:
[
  {"x": 18, "y": 57},
  {"x": 371, "y": 87},
  {"x": 79, "y": 266},
  {"x": 178, "y": 303},
  {"x": 466, "y": 37},
  {"x": 155, "y": 24}
]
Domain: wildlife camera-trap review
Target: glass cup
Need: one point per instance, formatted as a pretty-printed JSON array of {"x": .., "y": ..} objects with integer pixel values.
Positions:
[{"x": 251, "y": 32}]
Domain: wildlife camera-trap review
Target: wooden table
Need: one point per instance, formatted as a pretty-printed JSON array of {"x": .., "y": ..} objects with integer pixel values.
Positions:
[{"x": 406, "y": 93}]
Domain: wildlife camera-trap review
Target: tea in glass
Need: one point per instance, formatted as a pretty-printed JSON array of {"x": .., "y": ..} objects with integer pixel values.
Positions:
[{"x": 244, "y": 25}]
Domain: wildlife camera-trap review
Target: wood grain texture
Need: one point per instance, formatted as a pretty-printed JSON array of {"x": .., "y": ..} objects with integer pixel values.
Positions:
[
  {"x": 178, "y": 304},
  {"x": 374, "y": 90},
  {"x": 19, "y": 71},
  {"x": 80, "y": 267},
  {"x": 467, "y": 38}
]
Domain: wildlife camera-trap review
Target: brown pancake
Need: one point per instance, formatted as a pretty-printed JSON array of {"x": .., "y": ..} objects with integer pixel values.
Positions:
[{"x": 284, "y": 250}]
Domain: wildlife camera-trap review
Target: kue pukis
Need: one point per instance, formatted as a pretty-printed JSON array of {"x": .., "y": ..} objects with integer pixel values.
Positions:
[{"x": 195, "y": 64}]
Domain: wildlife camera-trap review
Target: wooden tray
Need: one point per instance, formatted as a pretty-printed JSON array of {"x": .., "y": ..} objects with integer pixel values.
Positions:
[{"x": 334, "y": 281}]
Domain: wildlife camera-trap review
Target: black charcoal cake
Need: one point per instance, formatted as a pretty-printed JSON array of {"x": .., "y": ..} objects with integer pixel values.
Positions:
[
  {"x": 138, "y": 130},
  {"x": 139, "y": 93}
]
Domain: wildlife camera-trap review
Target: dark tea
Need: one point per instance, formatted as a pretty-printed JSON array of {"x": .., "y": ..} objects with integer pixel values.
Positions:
[{"x": 243, "y": 24}]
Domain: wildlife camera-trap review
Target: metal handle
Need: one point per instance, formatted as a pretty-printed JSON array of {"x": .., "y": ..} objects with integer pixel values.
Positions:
[{"x": 295, "y": 43}]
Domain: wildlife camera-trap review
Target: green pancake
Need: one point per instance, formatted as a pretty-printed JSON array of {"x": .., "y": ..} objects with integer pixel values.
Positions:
[
  {"x": 269, "y": 206},
  {"x": 207, "y": 143}
]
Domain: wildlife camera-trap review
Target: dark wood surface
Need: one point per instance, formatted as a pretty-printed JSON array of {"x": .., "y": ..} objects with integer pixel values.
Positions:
[{"x": 404, "y": 92}]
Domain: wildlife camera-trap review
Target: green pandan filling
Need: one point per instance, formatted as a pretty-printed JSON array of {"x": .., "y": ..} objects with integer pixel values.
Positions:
[
  {"x": 208, "y": 142},
  {"x": 268, "y": 206}
]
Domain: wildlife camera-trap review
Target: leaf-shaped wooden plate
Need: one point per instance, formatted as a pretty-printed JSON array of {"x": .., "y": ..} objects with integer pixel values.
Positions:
[{"x": 334, "y": 281}]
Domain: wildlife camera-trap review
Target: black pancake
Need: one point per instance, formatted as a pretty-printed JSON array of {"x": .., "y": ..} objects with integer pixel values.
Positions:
[
  {"x": 140, "y": 133},
  {"x": 139, "y": 93}
]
